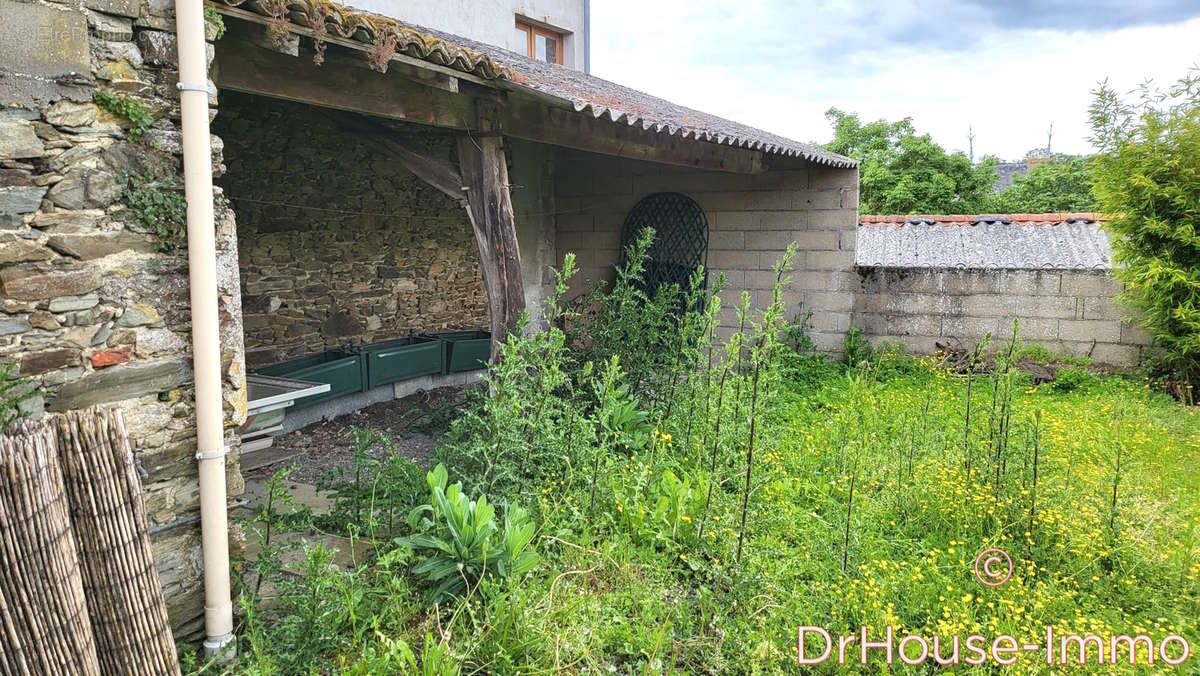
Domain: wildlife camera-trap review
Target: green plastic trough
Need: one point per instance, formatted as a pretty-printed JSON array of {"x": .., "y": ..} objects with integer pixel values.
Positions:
[
  {"x": 396, "y": 360},
  {"x": 342, "y": 370},
  {"x": 465, "y": 350}
]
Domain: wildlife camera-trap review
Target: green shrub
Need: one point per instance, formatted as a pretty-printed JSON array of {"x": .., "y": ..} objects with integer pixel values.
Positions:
[
  {"x": 648, "y": 329},
  {"x": 1148, "y": 181},
  {"x": 460, "y": 542},
  {"x": 1060, "y": 183},
  {"x": 1071, "y": 378}
]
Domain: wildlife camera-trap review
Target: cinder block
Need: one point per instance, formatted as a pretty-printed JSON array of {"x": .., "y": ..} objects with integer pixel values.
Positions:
[
  {"x": 815, "y": 280},
  {"x": 870, "y": 324},
  {"x": 1086, "y": 330},
  {"x": 734, "y": 220},
  {"x": 612, "y": 185},
  {"x": 1100, "y": 308},
  {"x": 831, "y": 301},
  {"x": 882, "y": 280},
  {"x": 820, "y": 199},
  {"x": 1037, "y": 329},
  {"x": 1117, "y": 355},
  {"x": 914, "y": 325},
  {"x": 784, "y": 220},
  {"x": 760, "y": 279},
  {"x": 1002, "y": 282},
  {"x": 829, "y": 260},
  {"x": 917, "y": 345},
  {"x": 1020, "y": 306},
  {"x": 830, "y": 322},
  {"x": 572, "y": 183},
  {"x": 734, "y": 278},
  {"x": 971, "y": 327},
  {"x": 1132, "y": 334},
  {"x": 833, "y": 219},
  {"x": 1089, "y": 284},
  {"x": 828, "y": 342},
  {"x": 727, "y": 260},
  {"x": 794, "y": 179},
  {"x": 727, "y": 239},
  {"x": 769, "y": 240},
  {"x": 767, "y": 260},
  {"x": 574, "y": 223},
  {"x": 767, "y": 200},
  {"x": 829, "y": 178}
]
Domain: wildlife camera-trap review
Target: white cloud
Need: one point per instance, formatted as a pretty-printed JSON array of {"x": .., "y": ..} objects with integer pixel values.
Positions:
[{"x": 779, "y": 66}]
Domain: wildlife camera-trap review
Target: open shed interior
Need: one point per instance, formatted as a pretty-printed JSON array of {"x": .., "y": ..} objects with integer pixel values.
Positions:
[{"x": 338, "y": 244}]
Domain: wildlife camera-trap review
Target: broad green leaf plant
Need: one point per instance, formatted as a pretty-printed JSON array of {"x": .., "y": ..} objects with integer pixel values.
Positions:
[{"x": 461, "y": 542}]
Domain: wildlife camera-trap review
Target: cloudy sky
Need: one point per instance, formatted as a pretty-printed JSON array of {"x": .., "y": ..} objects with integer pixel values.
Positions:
[{"x": 1006, "y": 68}]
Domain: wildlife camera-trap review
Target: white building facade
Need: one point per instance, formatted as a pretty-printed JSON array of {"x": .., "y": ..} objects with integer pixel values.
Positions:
[{"x": 556, "y": 31}]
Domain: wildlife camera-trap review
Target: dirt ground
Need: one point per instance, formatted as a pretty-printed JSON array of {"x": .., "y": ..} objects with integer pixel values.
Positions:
[{"x": 415, "y": 424}]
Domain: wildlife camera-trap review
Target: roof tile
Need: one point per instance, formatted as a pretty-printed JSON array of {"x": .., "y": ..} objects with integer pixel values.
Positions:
[
  {"x": 582, "y": 92},
  {"x": 1060, "y": 241}
]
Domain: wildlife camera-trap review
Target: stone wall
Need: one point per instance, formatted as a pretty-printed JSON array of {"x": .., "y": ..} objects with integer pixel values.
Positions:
[
  {"x": 1064, "y": 310},
  {"x": 93, "y": 308},
  {"x": 751, "y": 218},
  {"x": 338, "y": 242}
]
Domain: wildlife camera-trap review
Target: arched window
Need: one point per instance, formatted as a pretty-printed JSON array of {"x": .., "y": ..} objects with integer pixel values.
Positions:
[{"x": 680, "y": 237}]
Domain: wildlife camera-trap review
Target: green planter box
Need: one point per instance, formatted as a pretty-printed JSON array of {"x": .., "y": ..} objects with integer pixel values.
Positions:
[
  {"x": 465, "y": 350},
  {"x": 342, "y": 370},
  {"x": 396, "y": 360}
]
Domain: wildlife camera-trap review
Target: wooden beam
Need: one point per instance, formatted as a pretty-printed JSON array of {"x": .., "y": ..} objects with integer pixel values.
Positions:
[
  {"x": 241, "y": 66},
  {"x": 246, "y": 15},
  {"x": 533, "y": 120},
  {"x": 436, "y": 171},
  {"x": 485, "y": 173}
]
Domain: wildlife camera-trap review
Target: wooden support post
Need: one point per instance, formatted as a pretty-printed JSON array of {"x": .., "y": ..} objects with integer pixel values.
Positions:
[{"x": 485, "y": 175}]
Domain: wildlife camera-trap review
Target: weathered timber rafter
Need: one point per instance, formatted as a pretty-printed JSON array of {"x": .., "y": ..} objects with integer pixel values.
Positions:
[{"x": 485, "y": 173}]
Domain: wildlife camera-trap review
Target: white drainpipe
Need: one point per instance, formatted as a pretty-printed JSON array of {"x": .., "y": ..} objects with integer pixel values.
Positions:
[{"x": 206, "y": 349}]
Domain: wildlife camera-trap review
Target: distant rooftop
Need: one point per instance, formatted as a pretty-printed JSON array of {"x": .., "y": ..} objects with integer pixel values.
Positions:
[{"x": 1065, "y": 241}]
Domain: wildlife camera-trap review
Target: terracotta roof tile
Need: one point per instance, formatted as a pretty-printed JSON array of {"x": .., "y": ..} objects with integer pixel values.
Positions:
[{"x": 372, "y": 30}]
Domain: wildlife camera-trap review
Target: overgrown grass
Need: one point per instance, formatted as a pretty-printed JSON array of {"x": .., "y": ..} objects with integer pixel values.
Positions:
[{"x": 772, "y": 490}]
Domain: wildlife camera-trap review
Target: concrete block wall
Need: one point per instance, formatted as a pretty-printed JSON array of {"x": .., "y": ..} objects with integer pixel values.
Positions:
[
  {"x": 751, "y": 219},
  {"x": 1064, "y": 310}
]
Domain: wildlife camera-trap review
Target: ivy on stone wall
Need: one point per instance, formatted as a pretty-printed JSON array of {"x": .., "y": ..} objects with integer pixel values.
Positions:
[
  {"x": 136, "y": 114},
  {"x": 157, "y": 204}
]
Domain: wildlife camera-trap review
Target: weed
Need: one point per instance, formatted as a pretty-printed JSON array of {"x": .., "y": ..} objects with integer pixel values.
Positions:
[
  {"x": 855, "y": 348},
  {"x": 1071, "y": 378},
  {"x": 213, "y": 18},
  {"x": 13, "y": 393},
  {"x": 136, "y": 114},
  {"x": 461, "y": 543},
  {"x": 157, "y": 205}
]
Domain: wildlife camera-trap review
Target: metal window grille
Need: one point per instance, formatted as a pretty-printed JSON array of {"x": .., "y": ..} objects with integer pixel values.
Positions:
[{"x": 680, "y": 237}]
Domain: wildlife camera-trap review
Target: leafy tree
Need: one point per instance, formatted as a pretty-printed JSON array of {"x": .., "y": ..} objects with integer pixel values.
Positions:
[
  {"x": 1061, "y": 183},
  {"x": 903, "y": 172},
  {"x": 1148, "y": 181}
]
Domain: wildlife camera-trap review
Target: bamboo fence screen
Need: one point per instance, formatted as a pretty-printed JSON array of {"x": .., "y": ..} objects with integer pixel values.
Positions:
[{"x": 79, "y": 593}]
